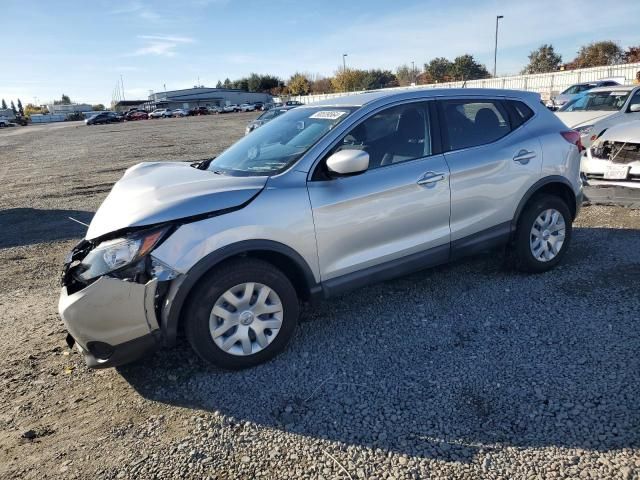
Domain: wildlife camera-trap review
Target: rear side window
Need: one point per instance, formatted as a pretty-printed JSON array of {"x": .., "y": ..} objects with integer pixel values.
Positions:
[
  {"x": 520, "y": 112},
  {"x": 470, "y": 123}
]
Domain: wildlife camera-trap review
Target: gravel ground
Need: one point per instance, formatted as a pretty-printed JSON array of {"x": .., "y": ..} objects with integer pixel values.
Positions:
[{"x": 465, "y": 371}]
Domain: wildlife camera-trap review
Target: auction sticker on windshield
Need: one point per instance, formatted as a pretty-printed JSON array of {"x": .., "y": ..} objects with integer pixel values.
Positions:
[{"x": 329, "y": 114}]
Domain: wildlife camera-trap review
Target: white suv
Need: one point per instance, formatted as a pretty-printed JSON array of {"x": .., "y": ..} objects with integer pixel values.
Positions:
[{"x": 323, "y": 199}]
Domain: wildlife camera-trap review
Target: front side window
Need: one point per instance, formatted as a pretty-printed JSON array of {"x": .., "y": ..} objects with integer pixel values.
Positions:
[
  {"x": 635, "y": 100},
  {"x": 610, "y": 100},
  {"x": 470, "y": 123},
  {"x": 394, "y": 135},
  {"x": 277, "y": 145}
]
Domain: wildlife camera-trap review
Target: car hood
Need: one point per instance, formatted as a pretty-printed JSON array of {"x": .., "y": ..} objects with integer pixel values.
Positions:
[
  {"x": 156, "y": 192},
  {"x": 625, "y": 132},
  {"x": 577, "y": 119}
]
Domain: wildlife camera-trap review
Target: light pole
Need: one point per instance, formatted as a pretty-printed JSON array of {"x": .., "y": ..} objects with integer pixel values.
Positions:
[
  {"x": 344, "y": 62},
  {"x": 495, "y": 52}
]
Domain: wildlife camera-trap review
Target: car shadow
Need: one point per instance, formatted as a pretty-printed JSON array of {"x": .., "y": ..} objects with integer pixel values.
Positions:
[
  {"x": 447, "y": 363},
  {"x": 28, "y": 226}
]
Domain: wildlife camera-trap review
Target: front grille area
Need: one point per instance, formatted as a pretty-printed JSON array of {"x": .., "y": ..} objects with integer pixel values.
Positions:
[{"x": 624, "y": 153}]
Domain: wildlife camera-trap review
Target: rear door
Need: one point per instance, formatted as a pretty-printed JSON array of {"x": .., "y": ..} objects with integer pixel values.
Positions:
[
  {"x": 493, "y": 161},
  {"x": 394, "y": 217}
]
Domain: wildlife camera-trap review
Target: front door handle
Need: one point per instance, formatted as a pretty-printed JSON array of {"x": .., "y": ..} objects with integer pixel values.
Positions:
[
  {"x": 430, "y": 178},
  {"x": 523, "y": 156}
]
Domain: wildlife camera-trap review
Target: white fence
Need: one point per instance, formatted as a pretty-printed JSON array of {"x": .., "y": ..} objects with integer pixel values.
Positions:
[{"x": 545, "y": 84}]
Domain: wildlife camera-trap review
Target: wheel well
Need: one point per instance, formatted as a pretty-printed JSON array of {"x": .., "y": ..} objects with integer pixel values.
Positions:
[
  {"x": 294, "y": 272},
  {"x": 558, "y": 189}
]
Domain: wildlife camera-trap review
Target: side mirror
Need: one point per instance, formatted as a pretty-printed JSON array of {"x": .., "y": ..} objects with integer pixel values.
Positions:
[
  {"x": 635, "y": 107},
  {"x": 348, "y": 162}
]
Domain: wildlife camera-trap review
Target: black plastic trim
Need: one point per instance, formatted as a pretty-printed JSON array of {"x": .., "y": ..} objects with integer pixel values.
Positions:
[
  {"x": 124, "y": 353},
  {"x": 176, "y": 302},
  {"x": 386, "y": 271},
  {"x": 532, "y": 191},
  {"x": 479, "y": 242}
]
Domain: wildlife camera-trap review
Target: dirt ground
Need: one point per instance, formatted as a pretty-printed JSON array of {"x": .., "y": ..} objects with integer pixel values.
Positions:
[{"x": 60, "y": 419}]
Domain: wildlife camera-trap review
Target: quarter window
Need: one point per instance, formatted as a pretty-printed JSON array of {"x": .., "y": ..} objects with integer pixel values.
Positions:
[
  {"x": 397, "y": 134},
  {"x": 474, "y": 122}
]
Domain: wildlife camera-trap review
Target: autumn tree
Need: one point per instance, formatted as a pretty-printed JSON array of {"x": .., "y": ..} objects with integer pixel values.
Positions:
[
  {"x": 597, "y": 54},
  {"x": 543, "y": 60},
  {"x": 347, "y": 80},
  {"x": 632, "y": 54},
  {"x": 299, "y": 84}
]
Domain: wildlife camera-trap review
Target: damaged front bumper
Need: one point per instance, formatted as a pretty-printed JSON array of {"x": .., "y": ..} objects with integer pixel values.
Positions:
[{"x": 112, "y": 321}]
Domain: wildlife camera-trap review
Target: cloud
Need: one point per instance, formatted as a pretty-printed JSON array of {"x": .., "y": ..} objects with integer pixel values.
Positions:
[
  {"x": 140, "y": 10},
  {"x": 161, "y": 45}
]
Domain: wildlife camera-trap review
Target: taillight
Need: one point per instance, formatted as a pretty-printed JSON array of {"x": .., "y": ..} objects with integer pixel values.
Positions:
[{"x": 573, "y": 137}]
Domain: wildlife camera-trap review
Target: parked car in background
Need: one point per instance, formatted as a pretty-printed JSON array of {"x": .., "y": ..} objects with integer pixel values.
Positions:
[
  {"x": 214, "y": 109},
  {"x": 264, "y": 118},
  {"x": 199, "y": 111},
  {"x": 230, "y": 108},
  {"x": 247, "y": 107},
  {"x": 103, "y": 118},
  {"x": 325, "y": 199},
  {"x": 293, "y": 103},
  {"x": 179, "y": 112},
  {"x": 575, "y": 90},
  {"x": 136, "y": 115},
  {"x": 615, "y": 155},
  {"x": 601, "y": 108},
  {"x": 161, "y": 113}
]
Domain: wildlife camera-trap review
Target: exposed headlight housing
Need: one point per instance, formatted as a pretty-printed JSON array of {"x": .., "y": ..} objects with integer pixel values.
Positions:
[{"x": 113, "y": 255}]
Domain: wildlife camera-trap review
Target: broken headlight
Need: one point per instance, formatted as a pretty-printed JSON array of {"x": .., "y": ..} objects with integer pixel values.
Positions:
[{"x": 112, "y": 255}]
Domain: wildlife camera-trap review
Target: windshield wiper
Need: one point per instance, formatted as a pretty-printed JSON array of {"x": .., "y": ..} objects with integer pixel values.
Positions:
[{"x": 203, "y": 164}]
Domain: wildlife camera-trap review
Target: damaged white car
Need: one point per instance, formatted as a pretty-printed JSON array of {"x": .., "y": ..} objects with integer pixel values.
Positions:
[{"x": 615, "y": 156}]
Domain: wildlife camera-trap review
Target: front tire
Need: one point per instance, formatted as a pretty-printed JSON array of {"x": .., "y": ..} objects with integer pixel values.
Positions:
[
  {"x": 543, "y": 234},
  {"x": 241, "y": 314}
]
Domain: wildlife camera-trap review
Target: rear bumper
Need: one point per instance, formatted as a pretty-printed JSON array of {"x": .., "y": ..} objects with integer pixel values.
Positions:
[{"x": 112, "y": 321}]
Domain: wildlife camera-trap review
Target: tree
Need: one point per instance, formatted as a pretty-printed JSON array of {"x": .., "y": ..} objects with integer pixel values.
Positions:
[
  {"x": 405, "y": 75},
  {"x": 299, "y": 84},
  {"x": 4, "y": 104},
  {"x": 253, "y": 82},
  {"x": 20, "y": 109},
  {"x": 597, "y": 54},
  {"x": 13, "y": 107},
  {"x": 64, "y": 100},
  {"x": 376, "y": 78},
  {"x": 321, "y": 85},
  {"x": 439, "y": 69},
  {"x": 241, "y": 84},
  {"x": 97, "y": 107},
  {"x": 347, "y": 80},
  {"x": 465, "y": 67},
  {"x": 219, "y": 84},
  {"x": 227, "y": 83},
  {"x": 543, "y": 60},
  {"x": 30, "y": 109},
  {"x": 632, "y": 54}
]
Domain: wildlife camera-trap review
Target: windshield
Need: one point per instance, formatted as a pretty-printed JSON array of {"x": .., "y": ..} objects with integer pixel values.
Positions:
[
  {"x": 577, "y": 89},
  {"x": 595, "y": 101},
  {"x": 277, "y": 145}
]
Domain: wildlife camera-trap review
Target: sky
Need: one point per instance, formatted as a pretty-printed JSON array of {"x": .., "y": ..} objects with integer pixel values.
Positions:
[{"x": 82, "y": 48}]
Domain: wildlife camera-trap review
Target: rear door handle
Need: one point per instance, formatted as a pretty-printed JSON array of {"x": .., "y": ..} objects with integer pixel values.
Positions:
[
  {"x": 430, "y": 178},
  {"x": 523, "y": 156}
]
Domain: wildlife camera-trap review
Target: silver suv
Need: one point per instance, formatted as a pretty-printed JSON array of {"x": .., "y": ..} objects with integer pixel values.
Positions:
[{"x": 325, "y": 198}]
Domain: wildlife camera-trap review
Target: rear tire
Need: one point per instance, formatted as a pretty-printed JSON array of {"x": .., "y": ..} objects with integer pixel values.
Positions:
[
  {"x": 263, "y": 319},
  {"x": 543, "y": 234}
]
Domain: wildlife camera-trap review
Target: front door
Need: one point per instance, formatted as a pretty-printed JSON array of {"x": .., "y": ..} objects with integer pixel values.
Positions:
[{"x": 392, "y": 217}]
